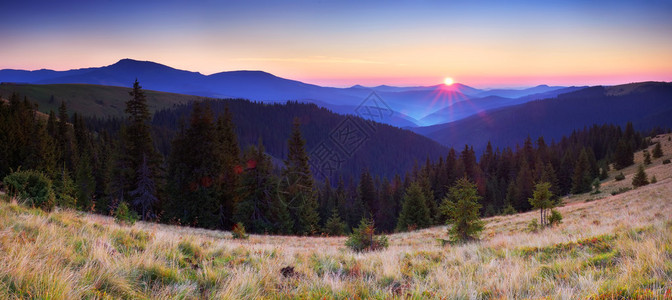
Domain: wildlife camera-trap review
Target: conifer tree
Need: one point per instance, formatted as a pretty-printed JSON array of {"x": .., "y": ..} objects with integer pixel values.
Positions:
[
  {"x": 462, "y": 208},
  {"x": 647, "y": 157},
  {"x": 541, "y": 200},
  {"x": 86, "y": 183},
  {"x": 581, "y": 181},
  {"x": 145, "y": 193},
  {"x": 640, "y": 178},
  {"x": 228, "y": 162},
  {"x": 136, "y": 142},
  {"x": 624, "y": 156},
  {"x": 298, "y": 186},
  {"x": 657, "y": 151},
  {"x": 414, "y": 212},
  {"x": 259, "y": 209},
  {"x": 334, "y": 225}
]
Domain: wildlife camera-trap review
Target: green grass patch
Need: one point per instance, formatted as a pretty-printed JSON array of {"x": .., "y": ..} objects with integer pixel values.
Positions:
[
  {"x": 129, "y": 242},
  {"x": 594, "y": 245}
]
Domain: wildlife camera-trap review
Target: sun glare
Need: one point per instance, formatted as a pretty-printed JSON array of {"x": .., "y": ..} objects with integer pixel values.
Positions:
[{"x": 448, "y": 81}]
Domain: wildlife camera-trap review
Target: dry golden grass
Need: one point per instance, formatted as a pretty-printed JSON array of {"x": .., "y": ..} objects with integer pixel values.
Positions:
[{"x": 614, "y": 246}]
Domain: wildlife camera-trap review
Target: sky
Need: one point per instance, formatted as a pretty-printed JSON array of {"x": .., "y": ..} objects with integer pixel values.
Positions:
[{"x": 342, "y": 43}]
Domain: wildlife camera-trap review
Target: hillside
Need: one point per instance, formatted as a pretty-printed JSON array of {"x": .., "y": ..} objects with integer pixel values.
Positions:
[
  {"x": 646, "y": 104},
  {"x": 610, "y": 248},
  {"x": 89, "y": 99},
  {"x": 272, "y": 123}
]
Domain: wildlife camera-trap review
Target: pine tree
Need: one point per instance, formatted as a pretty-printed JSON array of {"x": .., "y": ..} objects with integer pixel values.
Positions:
[
  {"x": 640, "y": 178},
  {"x": 145, "y": 193},
  {"x": 334, "y": 225},
  {"x": 657, "y": 151},
  {"x": 228, "y": 162},
  {"x": 541, "y": 200},
  {"x": 414, "y": 213},
  {"x": 647, "y": 157},
  {"x": 624, "y": 156},
  {"x": 258, "y": 208},
  {"x": 136, "y": 142},
  {"x": 297, "y": 184},
  {"x": 86, "y": 183},
  {"x": 65, "y": 190},
  {"x": 462, "y": 208},
  {"x": 192, "y": 173},
  {"x": 581, "y": 181},
  {"x": 367, "y": 194},
  {"x": 386, "y": 215}
]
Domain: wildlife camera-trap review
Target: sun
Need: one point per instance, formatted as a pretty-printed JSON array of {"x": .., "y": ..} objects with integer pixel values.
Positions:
[{"x": 448, "y": 81}]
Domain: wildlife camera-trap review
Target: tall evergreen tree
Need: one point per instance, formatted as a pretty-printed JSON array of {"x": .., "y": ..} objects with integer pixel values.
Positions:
[
  {"x": 228, "y": 162},
  {"x": 145, "y": 193},
  {"x": 86, "y": 183},
  {"x": 582, "y": 179},
  {"x": 624, "y": 156},
  {"x": 640, "y": 178},
  {"x": 137, "y": 143},
  {"x": 298, "y": 186},
  {"x": 657, "y": 151},
  {"x": 462, "y": 208},
  {"x": 414, "y": 212}
]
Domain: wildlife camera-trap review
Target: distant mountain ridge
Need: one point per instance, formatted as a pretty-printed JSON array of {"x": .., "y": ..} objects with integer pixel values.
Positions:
[
  {"x": 646, "y": 104},
  {"x": 409, "y": 104}
]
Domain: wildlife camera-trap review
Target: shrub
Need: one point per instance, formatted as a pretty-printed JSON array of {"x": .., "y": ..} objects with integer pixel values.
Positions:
[
  {"x": 653, "y": 179},
  {"x": 362, "y": 238},
  {"x": 621, "y": 191},
  {"x": 555, "y": 218},
  {"x": 238, "y": 231},
  {"x": 619, "y": 177},
  {"x": 533, "y": 226},
  {"x": 665, "y": 162},
  {"x": 596, "y": 186},
  {"x": 647, "y": 157},
  {"x": 124, "y": 215},
  {"x": 32, "y": 187}
]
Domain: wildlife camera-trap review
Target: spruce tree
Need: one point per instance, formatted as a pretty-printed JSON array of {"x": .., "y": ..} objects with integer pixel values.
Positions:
[
  {"x": 657, "y": 151},
  {"x": 581, "y": 181},
  {"x": 334, "y": 225},
  {"x": 647, "y": 157},
  {"x": 144, "y": 196},
  {"x": 640, "y": 178},
  {"x": 227, "y": 159},
  {"x": 414, "y": 213},
  {"x": 136, "y": 143},
  {"x": 258, "y": 208},
  {"x": 624, "y": 156},
  {"x": 86, "y": 183},
  {"x": 541, "y": 200},
  {"x": 298, "y": 186},
  {"x": 462, "y": 208}
]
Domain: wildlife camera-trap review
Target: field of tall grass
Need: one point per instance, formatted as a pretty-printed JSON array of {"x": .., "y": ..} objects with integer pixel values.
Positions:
[{"x": 607, "y": 247}]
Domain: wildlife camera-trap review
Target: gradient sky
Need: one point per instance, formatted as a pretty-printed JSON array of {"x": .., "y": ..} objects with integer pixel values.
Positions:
[{"x": 341, "y": 43}]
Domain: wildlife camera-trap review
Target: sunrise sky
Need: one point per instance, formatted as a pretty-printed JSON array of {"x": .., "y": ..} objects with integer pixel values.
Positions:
[{"x": 341, "y": 43}]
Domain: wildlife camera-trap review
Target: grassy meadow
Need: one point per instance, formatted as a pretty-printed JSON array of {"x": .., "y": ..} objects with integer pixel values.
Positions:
[{"x": 607, "y": 247}]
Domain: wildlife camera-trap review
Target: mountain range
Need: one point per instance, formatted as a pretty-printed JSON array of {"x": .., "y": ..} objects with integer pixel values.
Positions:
[
  {"x": 411, "y": 106},
  {"x": 452, "y": 115}
]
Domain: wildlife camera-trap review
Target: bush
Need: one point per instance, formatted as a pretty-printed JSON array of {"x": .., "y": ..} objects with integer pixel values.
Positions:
[
  {"x": 362, "y": 238},
  {"x": 533, "y": 226},
  {"x": 619, "y": 177},
  {"x": 555, "y": 218},
  {"x": 124, "y": 215},
  {"x": 32, "y": 187},
  {"x": 621, "y": 191},
  {"x": 665, "y": 162},
  {"x": 238, "y": 231},
  {"x": 653, "y": 179}
]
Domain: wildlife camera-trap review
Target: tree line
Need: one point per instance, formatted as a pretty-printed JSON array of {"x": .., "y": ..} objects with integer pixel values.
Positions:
[{"x": 207, "y": 180}]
